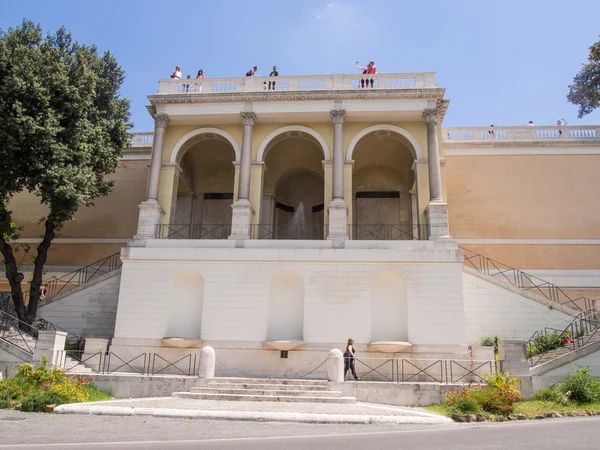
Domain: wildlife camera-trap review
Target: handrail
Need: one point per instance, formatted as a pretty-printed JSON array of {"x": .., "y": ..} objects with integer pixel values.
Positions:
[
  {"x": 11, "y": 327},
  {"x": 524, "y": 280},
  {"x": 581, "y": 330},
  {"x": 56, "y": 285}
]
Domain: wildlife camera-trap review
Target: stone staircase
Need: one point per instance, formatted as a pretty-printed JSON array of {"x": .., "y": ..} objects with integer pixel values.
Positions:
[
  {"x": 558, "y": 352},
  {"x": 75, "y": 367},
  {"x": 266, "y": 390}
]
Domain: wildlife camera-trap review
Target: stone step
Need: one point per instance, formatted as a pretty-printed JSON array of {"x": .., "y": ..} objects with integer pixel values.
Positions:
[
  {"x": 279, "y": 387},
  {"x": 263, "y": 398},
  {"x": 267, "y": 381},
  {"x": 271, "y": 392}
]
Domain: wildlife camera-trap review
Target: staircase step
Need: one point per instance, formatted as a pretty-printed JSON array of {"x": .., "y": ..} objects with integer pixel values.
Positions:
[
  {"x": 271, "y": 392},
  {"x": 249, "y": 381},
  {"x": 273, "y": 386},
  {"x": 263, "y": 398}
]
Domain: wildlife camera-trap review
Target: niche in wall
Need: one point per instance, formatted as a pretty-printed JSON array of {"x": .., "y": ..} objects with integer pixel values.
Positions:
[
  {"x": 185, "y": 305},
  {"x": 388, "y": 308},
  {"x": 286, "y": 307}
]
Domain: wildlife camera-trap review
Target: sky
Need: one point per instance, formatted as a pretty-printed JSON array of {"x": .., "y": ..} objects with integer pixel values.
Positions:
[{"x": 501, "y": 63}]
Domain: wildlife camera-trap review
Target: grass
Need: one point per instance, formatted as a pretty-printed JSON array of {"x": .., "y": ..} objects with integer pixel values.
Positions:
[
  {"x": 530, "y": 408},
  {"x": 95, "y": 394}
]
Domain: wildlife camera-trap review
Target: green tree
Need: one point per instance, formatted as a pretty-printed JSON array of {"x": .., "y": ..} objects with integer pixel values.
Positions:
[
  {"x": 63, "y": 125},
  {"x": 585, "y": 91}
]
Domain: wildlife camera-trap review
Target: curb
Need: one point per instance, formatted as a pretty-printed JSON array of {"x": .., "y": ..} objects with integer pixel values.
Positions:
[{"x": 249, "y": 415}]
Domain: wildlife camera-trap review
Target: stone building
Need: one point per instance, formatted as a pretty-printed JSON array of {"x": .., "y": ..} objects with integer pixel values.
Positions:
[{"x": 323, "y": 210}]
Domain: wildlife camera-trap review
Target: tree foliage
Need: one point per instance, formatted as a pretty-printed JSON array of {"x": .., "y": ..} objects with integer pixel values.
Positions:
[
  {"x": 585, "y": 91},
  {"x": 63, "y": 125}
]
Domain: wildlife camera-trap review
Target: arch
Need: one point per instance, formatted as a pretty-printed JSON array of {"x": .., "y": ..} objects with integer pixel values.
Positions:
[
  {"x": 266, "y": 141},
  {"x": 286, "y": 307},
  {"x": 389, "y": 320},
  {"x": 181, "y": 143},
  {"x": 414, "y": 146},
  {"x": 185, "y": 305}
]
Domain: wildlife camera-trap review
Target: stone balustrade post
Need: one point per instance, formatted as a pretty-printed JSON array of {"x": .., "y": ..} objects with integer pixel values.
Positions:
[
  {"x": 207, "y": 363},
  {"x": 242, "y": 209},
  {"x": 94, "y": 353},
  {"x": 338, "y": 209},
  {"x": 513, "y": 358},
  {"x": 150, "y": 211},
  {"x": 50, "y": 344},
  {"x": 437, "y": 210},
  {"x": 335, "y": 366}
]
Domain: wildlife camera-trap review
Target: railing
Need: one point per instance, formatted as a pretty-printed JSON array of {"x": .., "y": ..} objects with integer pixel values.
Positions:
[
  {"x": 193, "y": 231},
  {"x": 141, "y": 364},
  {"x": 292, "y": 232},
  {"x": 521, "y": 133},
  {"x": 144, "y": 139},
  {"x": 580, "y": 331},
  {"x": 524, "y": 280},
  {"x": 56, "y": 285},
  {"x": 17, "y": 333},
  {"x": 6, "y": 304},
  {"x": 397, "y": 232},
  {"x": 394, "y": 81},
  {"x": 404, "y": 370}
]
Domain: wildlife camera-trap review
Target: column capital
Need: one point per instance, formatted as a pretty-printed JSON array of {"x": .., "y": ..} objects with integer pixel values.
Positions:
[
  {"x": 431, "y": 115},
  {"x": 338, "y": 115},
  {"x": 161, "y": 121},
  {"x": 248, "y": 118}
]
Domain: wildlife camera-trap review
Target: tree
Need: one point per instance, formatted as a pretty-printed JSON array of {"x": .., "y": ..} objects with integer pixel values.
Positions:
[
  {"x": 63, "y": 125},
  {"x": 585, "y": 91}
]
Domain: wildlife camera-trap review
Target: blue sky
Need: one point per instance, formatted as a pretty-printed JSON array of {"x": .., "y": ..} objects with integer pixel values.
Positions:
[{"x": 501, "y": 62}]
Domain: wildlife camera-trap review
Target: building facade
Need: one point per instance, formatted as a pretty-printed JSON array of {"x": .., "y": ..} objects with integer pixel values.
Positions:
[{"x": 260, "y": 220}]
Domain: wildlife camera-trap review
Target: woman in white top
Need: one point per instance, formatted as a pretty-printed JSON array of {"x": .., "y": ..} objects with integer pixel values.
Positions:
[{"x": 176, "y": 73}]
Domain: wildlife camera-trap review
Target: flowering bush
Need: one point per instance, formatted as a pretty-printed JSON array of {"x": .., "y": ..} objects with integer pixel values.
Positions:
[{"x": 35, "y": 388}]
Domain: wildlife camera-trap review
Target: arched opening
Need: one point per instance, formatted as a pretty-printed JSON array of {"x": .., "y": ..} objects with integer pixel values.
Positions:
[
  {"x": 382, "y": 187},
  {"x": 388, "y": 308},
  {"x": 185, "y": 305},
  {"x": 205, "y": 189},
  {"x": 286, "y": 307},
  {"x": 293, "y": 190}
]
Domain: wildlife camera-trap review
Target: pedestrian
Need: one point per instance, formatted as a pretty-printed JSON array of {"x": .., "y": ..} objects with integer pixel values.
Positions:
[
  {"x": 530, "y": 123},
  {"x": 200, "y": 75},
  {"x": 176, "y": 73},
  {"x": 559, "y": 123},
  {"x": 371, "y": 69},
  {"x": 43, "y": 291},
  {"x": 252, "y": 72},
  {"x": 349, "y": 359},
  {"x": 187, "y": 86},
  {"x": 491, "y": 131},
  {"x": 274, "y": 73},
  {"x": 568, "y": 339}
]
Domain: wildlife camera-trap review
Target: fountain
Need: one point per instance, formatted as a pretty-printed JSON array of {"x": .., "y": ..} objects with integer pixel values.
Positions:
[{"x": 298, "y": 223}]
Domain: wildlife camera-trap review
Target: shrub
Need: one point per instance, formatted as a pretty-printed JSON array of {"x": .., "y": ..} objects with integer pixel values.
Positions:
[
  {"x": 462, "y": 401},
  {"x": 500, "y": 380},
  {"x": 498, "y": 401},
  {"x": 551, "y": 394},
  {"x": 35, "y": 388},
  {"x": 582, "y": 387},
  {"x": 543, "y": 343}
]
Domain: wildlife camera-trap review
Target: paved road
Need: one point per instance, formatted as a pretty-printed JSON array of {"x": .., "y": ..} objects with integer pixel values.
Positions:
[{"x": 133, "y": 433}]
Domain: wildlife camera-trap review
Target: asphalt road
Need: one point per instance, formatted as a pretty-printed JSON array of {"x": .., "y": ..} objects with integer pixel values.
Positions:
[{"x": 98, "y": 432}]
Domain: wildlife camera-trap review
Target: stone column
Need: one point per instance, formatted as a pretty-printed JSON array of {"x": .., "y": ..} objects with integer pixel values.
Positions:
[
  {"x": 338, "y": 209},
  {"x": 207, "y": 363},
  {"x": 242, "y": 209},
  {"x": 335, "y": 366},
  {"x": 437, "y": 210},
  {"x": 150, "y": 211}
]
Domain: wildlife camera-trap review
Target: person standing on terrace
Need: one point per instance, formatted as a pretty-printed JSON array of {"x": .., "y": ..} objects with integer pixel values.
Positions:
[
  {"x": 275, "y": 73},
  {"x": 371, "y": 69},
  {"x": 252, "y": 72},
  {"x": 176, "y": 73}
]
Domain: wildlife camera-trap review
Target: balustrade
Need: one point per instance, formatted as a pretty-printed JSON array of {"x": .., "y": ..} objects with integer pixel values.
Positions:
[
  {"x": 522, "y": 133},
  {"x": 297, "y": 83}
]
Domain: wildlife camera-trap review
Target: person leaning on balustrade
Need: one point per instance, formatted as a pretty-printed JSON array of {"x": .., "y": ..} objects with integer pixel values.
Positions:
[
  {"x": 371, "y": 69},
  {"x": 176, "y": 73}
]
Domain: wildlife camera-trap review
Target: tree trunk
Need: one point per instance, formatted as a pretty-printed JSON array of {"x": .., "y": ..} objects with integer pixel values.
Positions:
[
  {"x": 38, "y": 268},
  {"x": 14, "y": 278}
]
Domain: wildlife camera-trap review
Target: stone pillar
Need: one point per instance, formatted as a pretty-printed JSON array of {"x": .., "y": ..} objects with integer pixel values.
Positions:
[
  {"x": 242, "y": 209},
  {"x": 50, "y": 344},
  {"x": 335, "y": 366},
  {"x": 207, "y": 363},
  {"x": 338, "y": 209},
  {"x": 513, "y": 358},
  {"x": 150, "y": 211},
  {"x": 437, "y": 210},
  {"x": 94, "y": 353}
]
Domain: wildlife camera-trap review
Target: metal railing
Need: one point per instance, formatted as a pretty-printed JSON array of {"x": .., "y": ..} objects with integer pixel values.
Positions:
[
  {"x": 405, "y": 370},
  {"x": 578, "y": 333},
  {"x": 393, "y": 232},
  {"x": 524, "y": 280},
  {"x": 17, "y": 333},
  {"x": 287, "y": 231},
  {"x": 6, "y": 304},
  {"x": 193, "y": 231}
]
